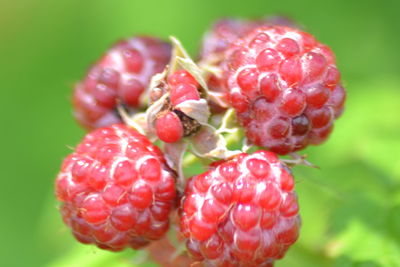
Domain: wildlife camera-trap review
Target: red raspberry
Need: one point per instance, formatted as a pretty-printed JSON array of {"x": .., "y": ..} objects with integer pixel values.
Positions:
[
  {"x": 122, "y": 73},
  {"x": 116, "y": 189},
  {"x": 171, "y": 124},
  {"x": 285, "y": 87},
  {"x": 221, "y": 35},
  {"x": 242, "y": 212}
]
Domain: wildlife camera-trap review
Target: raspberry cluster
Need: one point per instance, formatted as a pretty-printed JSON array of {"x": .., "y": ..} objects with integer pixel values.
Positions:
[{"x": 152, "y": 113}]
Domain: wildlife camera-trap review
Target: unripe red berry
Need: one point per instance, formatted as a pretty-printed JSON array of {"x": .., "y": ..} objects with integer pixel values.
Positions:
[
  {"x": 169, "y": 127},
  {"x": 172, "y": 123}
]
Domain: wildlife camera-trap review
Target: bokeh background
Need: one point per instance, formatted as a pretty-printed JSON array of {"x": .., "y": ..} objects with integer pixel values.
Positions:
[{"x": 350, "y": 206}]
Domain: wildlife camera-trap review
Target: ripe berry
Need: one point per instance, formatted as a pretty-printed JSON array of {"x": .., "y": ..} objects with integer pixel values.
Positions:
[
  {"x": 116, "y": 190},
  {"x": 121, "y": 74},
  {"x": 170, "y": 127},
  {"x": 241, "y": 212},
  {"x": 285, "y": 87},
  {"x": 221, "y": 35}
]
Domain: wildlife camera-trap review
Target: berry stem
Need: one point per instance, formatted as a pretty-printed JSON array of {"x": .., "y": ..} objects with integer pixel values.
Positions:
[
  {"x": 130, "y": 121},
  {"x": 190, "y": 159},
  {"x": 298, "y": 160}
]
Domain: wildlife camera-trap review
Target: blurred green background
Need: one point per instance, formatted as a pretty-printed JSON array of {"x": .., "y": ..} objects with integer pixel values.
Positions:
[{"x": 350, "y": 206}]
